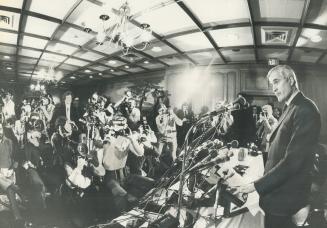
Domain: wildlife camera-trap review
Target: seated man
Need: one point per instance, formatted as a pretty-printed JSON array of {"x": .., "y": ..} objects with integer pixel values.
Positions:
[{"x": 7, "y": 175}]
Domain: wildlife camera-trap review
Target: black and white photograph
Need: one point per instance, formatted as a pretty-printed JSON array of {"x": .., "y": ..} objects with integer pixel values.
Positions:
[{"x": 163, "y": 113}]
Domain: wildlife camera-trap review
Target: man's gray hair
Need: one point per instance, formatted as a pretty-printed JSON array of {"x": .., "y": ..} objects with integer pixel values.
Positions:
[{"x": 286, "y": 71}]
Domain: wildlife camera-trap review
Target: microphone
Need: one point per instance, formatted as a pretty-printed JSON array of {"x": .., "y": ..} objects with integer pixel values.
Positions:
[
  {"x": 238, "y": 103},
  {"x": 208, "y": 145},
  {"x": 217, "y": 155}
]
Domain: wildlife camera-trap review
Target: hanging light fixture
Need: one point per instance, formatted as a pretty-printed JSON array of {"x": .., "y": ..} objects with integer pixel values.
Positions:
[{"x": 121, "y": 33}]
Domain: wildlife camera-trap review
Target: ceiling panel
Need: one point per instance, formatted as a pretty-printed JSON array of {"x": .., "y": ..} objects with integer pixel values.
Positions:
[
  {"x": 87, "y": 15},
  {"x": 134, "y": 69},
  {"x": 158, "y": 48},
  {"x": 91, "y": 56},
  {"x": 206, "y": 58},
  {"x": 190, "y": 42},
  {"x": 7, "y": 49},
  {"x": 265, "y": 54},
  {"x": 317, "y": 12},
  {"x": 12, "y": 3},
  {"x": 7, "y": 37},
  {"x": 278, "y": 10},
  {"x": 58, "y": 10},
  {"x": 30, "y": 53},
  {"x": 120, "y": 73},
  {"x": 314, "y": 38},
  {"x": 68, "y": 67},
  {"x": 151, "y": 65},
  {"x": 164, "y": 20},
  {"x": 46, "y": 63},
  {"x": 113, "y": 62},
  {"x": 27, "y": 60},
  {"x": 61, "y": 48},
  {"x": 233, "y": 36},
  {"x": 213, "y": 12},
  {"x": 53, "y": 57},
  {"x": 76, "y": 62},
  {"x": 10, "y": 20},
  {"x": 99, "y": 68},
  {"x": 175, "y": 60},
  {"x": 105, "y": 48},
  {"x": 239, "y": 55},
  {"x": 305, "y": 56},
  {"x": 40, "y": 27},
  {"x": 29, "y": 41},
  {"x": 73, "y": 35}
]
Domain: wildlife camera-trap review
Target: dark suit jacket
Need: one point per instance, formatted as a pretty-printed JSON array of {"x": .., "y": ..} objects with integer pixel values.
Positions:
[{"x": 285, "y": 186}]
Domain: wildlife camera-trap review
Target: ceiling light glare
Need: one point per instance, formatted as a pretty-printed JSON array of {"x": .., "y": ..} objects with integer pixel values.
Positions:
[
  {"x": 113, "y": 62},
  {"x": 146, "y": 62},
  {"x": 127, "y": 67},
  {"x": 316, "y": 38},
  {"x": 6, "y": 57},
  {"x": 156, "y": 49},
  {"x": 87, "y": 71},
  {"x": 72, "y": 77}
]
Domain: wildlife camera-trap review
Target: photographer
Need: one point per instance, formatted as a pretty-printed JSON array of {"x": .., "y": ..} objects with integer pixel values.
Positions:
[
  {"x": 114, "y": 161},
  {"x": 166, "y": 123},
  {"x": 147, "y": 140},
  {"x": 266, "y": 123}
]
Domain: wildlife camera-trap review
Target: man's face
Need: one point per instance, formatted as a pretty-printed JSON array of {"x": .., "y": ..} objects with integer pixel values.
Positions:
[{"x": 281, "y": 86}]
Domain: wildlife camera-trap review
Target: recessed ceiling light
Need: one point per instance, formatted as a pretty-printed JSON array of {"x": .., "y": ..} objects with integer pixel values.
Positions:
[
  {"x": 127, "y": 67},
  {"x": 72, "y": 77},
  {"x": 112, "y": 70},
  {"x": 156, "y": 49},
  {"x": 87, "y": 71},
  {"x": 6, "y": 57},
  {"x": 146, "y": 62},
  {"x": 113, "y": 62},
  {"x": 100, "y": 74},
  {"x": 91, "y": 77},
  {"x": 316, "y": 38},
  {"x": 9, "y": 68},
  {"x": 12, "y": 80}
]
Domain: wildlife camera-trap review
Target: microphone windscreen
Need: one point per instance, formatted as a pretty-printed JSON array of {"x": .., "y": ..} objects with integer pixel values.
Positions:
[{"x": 234, "y": 144}]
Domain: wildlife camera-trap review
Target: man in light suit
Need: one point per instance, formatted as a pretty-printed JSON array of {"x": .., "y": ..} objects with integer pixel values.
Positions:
[{"x": 285, "y": 187}]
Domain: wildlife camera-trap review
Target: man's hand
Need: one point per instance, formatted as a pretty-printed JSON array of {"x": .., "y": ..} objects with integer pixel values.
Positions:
[{"x": 248, "y": 188}]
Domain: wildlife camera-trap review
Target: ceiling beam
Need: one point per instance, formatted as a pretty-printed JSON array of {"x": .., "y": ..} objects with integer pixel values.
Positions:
[
  {"x": 321, "y": 57},
  {"x": 70, "y": 11},
  {"x": 299, "y": 29},
  {"x": 254, "y": 35},
  {"x": 21, "y": 27},
  {"x": 200, "y": 26}
]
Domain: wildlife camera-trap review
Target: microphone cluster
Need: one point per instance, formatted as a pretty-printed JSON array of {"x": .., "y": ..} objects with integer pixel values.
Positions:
[
  {"x": 216, "y": 156},
  {"x": 237, "y": 104}
]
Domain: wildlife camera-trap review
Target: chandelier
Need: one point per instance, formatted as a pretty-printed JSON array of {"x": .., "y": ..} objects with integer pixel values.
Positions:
[
  {"x": 122, "y": 33},
  {"x": 46, "y": 77}
]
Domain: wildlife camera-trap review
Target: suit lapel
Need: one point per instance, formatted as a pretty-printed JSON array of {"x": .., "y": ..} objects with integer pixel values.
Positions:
[{"x": 280, "y": 121}]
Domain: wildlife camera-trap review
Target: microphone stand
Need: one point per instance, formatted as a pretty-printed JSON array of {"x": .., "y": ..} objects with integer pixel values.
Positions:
[{"x": 187, "y": 150}]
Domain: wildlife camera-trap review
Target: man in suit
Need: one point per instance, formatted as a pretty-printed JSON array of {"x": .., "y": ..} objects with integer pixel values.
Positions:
[{"x": 285, "y": 186}]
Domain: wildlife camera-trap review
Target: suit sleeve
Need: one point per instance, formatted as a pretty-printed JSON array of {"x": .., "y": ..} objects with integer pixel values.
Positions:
[{"x": 306, "y": 129}]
